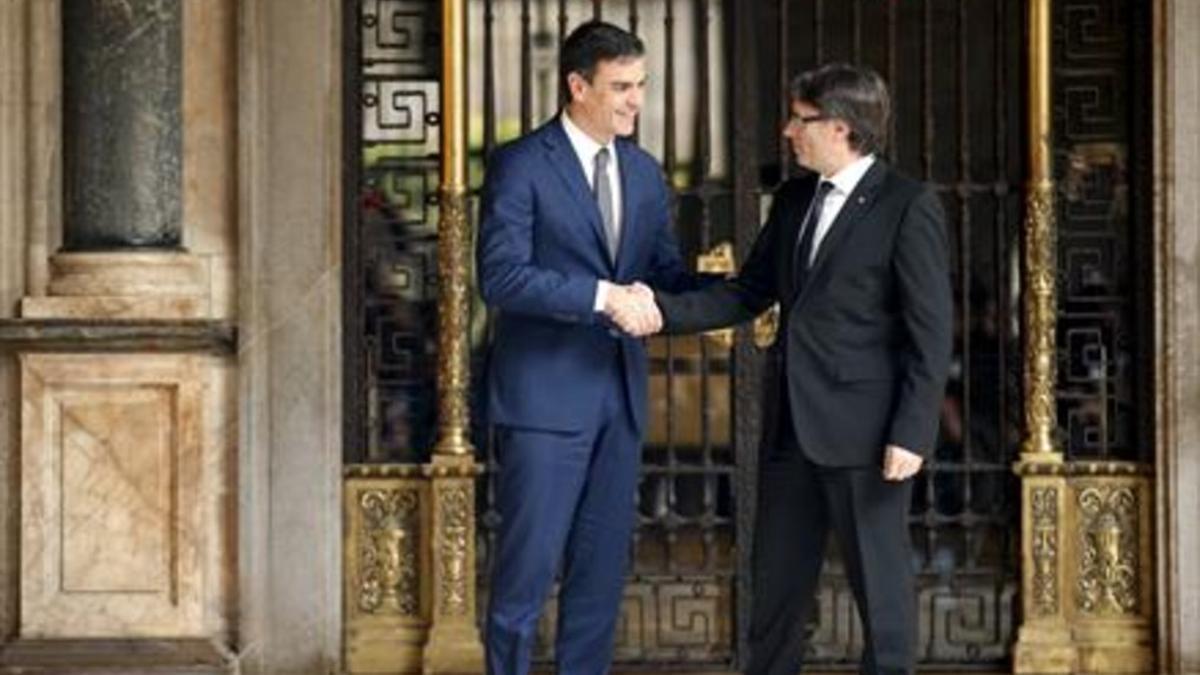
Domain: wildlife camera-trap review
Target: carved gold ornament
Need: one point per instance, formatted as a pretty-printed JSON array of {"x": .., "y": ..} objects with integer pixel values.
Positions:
[
  {"x": 456, "y": 512},
  {"x": 1044, "y": 503},
  {"x": 1108, "y": 538},
  {"x": 388, "y": 552}
]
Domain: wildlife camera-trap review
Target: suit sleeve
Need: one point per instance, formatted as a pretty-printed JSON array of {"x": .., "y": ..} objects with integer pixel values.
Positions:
[
  {"x": 730, "y": 301},
  {"x": 667, "y": 270},
  {"x": 922, "y": 268},
  {"x": 509, "y": 277}
]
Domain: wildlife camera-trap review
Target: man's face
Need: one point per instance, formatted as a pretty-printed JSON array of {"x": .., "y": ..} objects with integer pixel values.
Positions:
[
  {"x": 609, "y": 105},
  {"x": 819, "y": 142}
]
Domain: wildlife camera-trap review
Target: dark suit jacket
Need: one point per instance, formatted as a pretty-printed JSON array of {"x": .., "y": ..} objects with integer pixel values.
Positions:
[
  {"x": 866, "y": 344},
  {"x": 539, "y": 257}
]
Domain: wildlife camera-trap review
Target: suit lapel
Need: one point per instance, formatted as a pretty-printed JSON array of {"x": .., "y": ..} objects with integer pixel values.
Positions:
[
  {"x": 857, "y": 205},
  {"x": 628, "y": 228},
  {"x": 566, "y": 164}
]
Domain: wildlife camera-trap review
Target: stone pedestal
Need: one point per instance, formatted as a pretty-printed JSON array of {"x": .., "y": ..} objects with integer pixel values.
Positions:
[
  {"x": 124, "y": 285},
  {"x": 1087, "y": 568},
  {"x": 127, "y": 433},
  {"x": 386, "y": 591},
  {"x": 409, "y": 573},
  {"x": 454, "y": 645}
]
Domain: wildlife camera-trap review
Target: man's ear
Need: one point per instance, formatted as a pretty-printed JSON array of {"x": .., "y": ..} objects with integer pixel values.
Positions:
[
  {"x": 842, "y": 128},
  {"x": 575, "y": 85}
]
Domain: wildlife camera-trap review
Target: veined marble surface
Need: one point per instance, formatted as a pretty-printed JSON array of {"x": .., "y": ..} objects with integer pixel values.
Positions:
[{"x": 122, "y": 486}]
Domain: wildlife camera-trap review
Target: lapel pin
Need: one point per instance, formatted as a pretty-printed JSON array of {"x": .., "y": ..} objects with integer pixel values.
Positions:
[{"x": 862, "y": 199}]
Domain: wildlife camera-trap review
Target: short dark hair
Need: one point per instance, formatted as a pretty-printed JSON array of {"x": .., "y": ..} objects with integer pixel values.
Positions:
[
  {"x": 854, "y": 94},
  {"x": 591, "y": 43}
]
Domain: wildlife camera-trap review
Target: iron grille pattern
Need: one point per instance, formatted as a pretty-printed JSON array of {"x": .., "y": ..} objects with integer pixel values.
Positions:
[
  {"x": 391, "y": 270},
  {"x": 1101, "y": 104}
]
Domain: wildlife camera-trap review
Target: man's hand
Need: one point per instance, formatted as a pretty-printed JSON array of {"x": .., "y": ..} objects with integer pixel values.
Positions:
[
  {"x": 900, "y": 464},
  {"x": 632, "y": 308}
]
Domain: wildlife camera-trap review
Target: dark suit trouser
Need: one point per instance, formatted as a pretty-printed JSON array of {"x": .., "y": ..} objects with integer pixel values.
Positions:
[
  {"x": 563, "y": 498},
  {"x": 799, "y": 503}
]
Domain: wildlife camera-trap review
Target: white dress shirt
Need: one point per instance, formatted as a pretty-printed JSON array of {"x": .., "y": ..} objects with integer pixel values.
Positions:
[
  {"x": 586, "y": 148},
  {"x": 844, "y": 182}
]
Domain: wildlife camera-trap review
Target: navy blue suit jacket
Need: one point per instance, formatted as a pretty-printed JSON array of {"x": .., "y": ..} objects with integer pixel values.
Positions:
[{"x": 539, "y": 258}]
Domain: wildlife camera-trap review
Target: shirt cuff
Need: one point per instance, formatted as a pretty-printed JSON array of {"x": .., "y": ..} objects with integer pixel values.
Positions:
[{"x": 602, "y": 288}]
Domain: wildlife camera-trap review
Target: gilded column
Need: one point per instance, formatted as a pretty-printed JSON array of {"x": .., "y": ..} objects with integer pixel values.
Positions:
[
  {"x": 454, "y": 242},
  {"x": 453, "y": 645},
  {"x": 1044, "y": 639}
]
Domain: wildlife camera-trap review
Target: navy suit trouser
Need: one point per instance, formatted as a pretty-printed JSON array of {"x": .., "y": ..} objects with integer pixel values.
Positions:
[{"x": 566, "y": 500}]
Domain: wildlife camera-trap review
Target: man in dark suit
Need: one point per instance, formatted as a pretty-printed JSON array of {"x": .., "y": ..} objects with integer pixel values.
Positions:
[
  {"x": 574, "y": 218},
  {"x": 856, "y": 255}
]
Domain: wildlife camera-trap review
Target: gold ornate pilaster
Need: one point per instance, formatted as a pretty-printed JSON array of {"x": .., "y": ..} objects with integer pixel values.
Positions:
[
  {"x": 1040, "y": 318},
  {"x": 1040, "y": 264},
  {"x": 454, "y": 241},
  {"x": 1044, "y": 638},
  {"x": 453, "y": 645},
  {"x": 1087, "y": 576}
]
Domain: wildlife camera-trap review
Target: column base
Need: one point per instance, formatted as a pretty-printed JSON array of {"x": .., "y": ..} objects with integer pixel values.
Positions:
[
  {"x": 1116, "y": 647},
  {"x": 124, "y": 285},
  {"x": 454, "y": 649},
  {"x": 385, "y": 649},
  {"x": 1044, "y": 649}
]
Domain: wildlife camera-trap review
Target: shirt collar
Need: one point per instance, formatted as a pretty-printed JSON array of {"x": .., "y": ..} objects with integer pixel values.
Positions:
[
  {"x": 585, "y": 146},
  {"x": 847, "y": 179}
]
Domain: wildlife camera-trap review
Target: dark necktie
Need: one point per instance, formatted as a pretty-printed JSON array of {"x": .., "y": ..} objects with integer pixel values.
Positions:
[
  {"x": 804, "y": 248},
  {"x": 604, "y": 199}
]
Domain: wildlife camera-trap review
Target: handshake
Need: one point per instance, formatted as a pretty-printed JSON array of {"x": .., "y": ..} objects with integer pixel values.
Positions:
[{"x": 632, "y": 309}]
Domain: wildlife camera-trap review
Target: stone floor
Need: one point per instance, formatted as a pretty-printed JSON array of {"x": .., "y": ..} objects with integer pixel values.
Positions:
[
  {"x": 844, "y": 671},
  {"x": 816, "y": 672}
]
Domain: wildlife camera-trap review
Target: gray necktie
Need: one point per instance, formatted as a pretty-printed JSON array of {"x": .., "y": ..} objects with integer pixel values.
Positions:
[{"x": 604, "y": 199}]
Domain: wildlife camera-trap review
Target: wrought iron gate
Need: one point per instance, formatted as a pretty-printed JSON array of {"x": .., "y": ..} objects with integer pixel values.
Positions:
[{"x": 718, "y": 74}]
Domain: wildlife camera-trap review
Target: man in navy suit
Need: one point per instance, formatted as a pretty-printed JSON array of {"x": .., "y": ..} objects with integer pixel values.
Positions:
[
  {"x": 575, "y": 220},
  {"x": 857, "y": 256}
]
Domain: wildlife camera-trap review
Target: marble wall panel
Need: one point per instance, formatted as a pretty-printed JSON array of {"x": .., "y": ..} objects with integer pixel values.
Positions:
[{"x": 122, "y": 478}]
